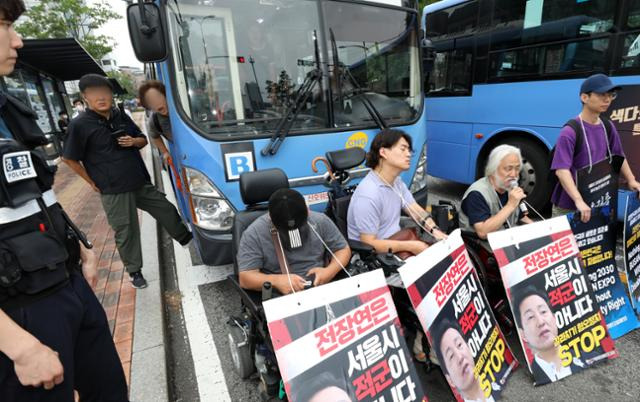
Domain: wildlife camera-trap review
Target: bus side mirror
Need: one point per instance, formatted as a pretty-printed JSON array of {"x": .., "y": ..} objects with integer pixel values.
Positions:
[{"x": 147, "y": 32}]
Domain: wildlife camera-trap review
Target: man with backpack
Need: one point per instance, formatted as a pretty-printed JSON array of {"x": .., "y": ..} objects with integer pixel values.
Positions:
[{"x": 588, "y": 155}]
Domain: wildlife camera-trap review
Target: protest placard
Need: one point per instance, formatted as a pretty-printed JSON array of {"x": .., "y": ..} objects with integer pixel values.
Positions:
[
  {"x": 559, "y": 323},
  {"x": 596, "y": 240},
  {"x": 631, "y": 240},
  {"x": 342, "y": 341},
  {"x": 453, "y": 310}
]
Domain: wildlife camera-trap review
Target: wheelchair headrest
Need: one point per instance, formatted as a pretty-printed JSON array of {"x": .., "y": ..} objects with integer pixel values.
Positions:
[
  {"x": 345, "y": 158},
  {"x": 256, "y": 187}
]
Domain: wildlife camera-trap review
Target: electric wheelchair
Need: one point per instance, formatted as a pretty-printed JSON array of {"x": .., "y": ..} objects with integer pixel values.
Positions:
[
  {"x": 445, "y": 216},
  {"x": 249, "y": 341}
]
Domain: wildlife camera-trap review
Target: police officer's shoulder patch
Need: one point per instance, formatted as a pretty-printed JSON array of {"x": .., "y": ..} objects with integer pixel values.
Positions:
[{"x": 18, "y": 166}]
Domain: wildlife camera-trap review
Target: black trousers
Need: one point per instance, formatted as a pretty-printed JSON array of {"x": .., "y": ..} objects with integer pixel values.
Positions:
[{"x": 73, "y": 323}]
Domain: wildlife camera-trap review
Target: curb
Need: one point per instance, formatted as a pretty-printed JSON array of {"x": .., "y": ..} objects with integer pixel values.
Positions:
[{"x": 149, "y": 381}]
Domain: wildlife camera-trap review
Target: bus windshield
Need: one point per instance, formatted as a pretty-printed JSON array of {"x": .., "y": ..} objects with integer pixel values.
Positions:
[{"x": 240, "y": 64}]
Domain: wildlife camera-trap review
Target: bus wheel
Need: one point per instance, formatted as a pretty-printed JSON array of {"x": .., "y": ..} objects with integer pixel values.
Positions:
[{"x": 533, "y": 177}]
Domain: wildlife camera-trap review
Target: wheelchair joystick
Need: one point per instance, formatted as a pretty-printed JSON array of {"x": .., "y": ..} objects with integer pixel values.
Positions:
[{"x": 267, "y": 291}]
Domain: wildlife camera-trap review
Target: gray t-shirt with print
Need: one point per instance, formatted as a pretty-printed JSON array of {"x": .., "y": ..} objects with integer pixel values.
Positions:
[
  {"x": 256, "y": 250},
  {"x": 162, "y": 128}
]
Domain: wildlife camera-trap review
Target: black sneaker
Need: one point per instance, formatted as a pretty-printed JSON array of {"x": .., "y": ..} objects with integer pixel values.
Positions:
[{"x": 137, "y": 280}]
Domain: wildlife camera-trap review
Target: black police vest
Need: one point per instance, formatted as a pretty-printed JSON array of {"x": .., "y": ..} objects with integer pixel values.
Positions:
[{"x": 37, "y": 248}]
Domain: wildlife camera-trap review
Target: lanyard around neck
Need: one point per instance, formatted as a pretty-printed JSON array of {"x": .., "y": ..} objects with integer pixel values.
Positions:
[{"x": 586, "y": 140}]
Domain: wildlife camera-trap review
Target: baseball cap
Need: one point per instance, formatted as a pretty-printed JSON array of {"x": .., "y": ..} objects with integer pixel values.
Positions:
[
  {"x": 287, "y": 209},
  {"x": 598, "y": 83}
]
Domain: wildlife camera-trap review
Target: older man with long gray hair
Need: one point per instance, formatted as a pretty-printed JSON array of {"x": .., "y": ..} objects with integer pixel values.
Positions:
[{"x": 492, "y": 202}]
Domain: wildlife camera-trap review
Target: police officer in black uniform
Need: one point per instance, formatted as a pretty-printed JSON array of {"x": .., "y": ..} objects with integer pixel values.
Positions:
[{"x": 54, "y": 335}]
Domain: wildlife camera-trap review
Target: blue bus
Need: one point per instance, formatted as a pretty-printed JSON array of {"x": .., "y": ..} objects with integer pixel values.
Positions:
[
  {"x": 509, "y": 71},
  {"x": 258, "y": 84}
]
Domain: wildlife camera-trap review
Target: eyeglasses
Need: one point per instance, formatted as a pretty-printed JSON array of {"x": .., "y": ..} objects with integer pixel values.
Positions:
[
  {"x": 610, "y": 95},
  {"x": 404, "y": 148}
]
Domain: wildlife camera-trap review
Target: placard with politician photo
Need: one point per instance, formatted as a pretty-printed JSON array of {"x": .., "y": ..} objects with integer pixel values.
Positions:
[{"x": 559, "y": 323}]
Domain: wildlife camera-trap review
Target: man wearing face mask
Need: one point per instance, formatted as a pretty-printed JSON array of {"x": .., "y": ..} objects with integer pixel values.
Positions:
[
  {"x": 300, "y": 234},
  {"x": 78, "y": 107},
  {"x": 493, "y": 202}
]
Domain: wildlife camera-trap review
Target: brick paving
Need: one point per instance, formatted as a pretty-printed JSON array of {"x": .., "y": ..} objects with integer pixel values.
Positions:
[{"x": 113, "y": 288}]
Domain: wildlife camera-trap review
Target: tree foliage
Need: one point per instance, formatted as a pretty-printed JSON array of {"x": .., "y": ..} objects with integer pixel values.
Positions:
[
  {"x": 126, "y": 82},
  {"x": 423, "y": 3},
  {"x": 50, "y": 19}
]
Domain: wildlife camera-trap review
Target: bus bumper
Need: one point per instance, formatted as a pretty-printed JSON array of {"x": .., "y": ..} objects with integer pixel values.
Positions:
[{"x": 214, "y": 248}]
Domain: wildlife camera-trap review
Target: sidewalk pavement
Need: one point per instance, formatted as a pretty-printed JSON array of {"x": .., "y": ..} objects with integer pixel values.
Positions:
[
  {"x": 113, "y": 288},
  {"x": 129, "y": 314}
]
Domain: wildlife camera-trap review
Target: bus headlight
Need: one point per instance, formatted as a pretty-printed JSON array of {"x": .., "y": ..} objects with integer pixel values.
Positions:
[
  {"x": 209, "y": 209},
  {"x": 419, "y": 180}
]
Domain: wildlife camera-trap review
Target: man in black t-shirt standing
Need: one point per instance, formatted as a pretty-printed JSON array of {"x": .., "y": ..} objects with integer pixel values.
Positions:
[{"x": 103, "y": 148}]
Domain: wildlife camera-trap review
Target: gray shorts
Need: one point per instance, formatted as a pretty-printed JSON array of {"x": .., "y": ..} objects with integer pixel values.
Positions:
[{"x": 557, "y": 211}]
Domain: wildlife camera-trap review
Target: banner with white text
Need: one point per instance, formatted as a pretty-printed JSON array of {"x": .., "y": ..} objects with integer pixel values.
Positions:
[
  {"x": 342, "y": 342},
  {"x": 559, "y": 323},
  {"x": 631, "y": 242},
  {"x": 596, "y": 240},
  {"x": 448, "y": 297}
]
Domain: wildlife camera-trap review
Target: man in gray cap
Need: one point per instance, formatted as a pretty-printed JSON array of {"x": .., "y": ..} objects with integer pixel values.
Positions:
[
  {"x": 299, "y": 234},
  {"x": 588, "y": 151}
]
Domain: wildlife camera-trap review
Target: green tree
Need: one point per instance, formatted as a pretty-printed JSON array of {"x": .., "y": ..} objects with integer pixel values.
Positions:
[
  {"x": 422, "y": 3},
  {"x": 126, "y": 82},
  {"x": 51, "y": 19}
]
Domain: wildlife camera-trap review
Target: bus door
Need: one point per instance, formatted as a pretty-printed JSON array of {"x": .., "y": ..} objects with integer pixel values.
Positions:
[{"x": 450, "y": 135}]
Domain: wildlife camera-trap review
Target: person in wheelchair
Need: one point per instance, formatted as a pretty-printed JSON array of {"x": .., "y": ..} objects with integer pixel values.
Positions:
[
  {"x": 376, "y": 204},
  {"x": 493, "y": 202},
  {"x": 299, "y": 236}
]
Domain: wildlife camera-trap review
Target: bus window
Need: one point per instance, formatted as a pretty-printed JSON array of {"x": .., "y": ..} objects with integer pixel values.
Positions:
[
  {"x": 631, "y": 51},
  {"x": 241, "y": 63},
  {"x": 452, "y": 70},
  {"x": 457, "y": 20},
  {"x": 633, "y": 19},
  {"x": 537, "y": 21},
  {"x": 585, "y": 55},
  {"x": 377, "y": 49},
  {"x": 452, "y": 73}
]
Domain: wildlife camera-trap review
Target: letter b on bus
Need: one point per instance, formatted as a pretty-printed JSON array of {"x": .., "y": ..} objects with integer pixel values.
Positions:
[{"x": 237, "y": 163}]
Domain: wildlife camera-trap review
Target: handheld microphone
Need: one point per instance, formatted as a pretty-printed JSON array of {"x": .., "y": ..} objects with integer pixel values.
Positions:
[{"x": 523, "y": 207}]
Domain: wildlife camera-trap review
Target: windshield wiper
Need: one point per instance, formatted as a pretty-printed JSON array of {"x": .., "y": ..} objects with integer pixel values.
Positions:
[
  {"x": 340, "y": 70},
  {"x": 290, "y": 115},
  {"x": 293, "y": 109}
]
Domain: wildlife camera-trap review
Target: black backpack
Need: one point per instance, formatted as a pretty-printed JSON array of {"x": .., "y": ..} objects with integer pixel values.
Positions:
[{"x": 575, "y": 125}]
